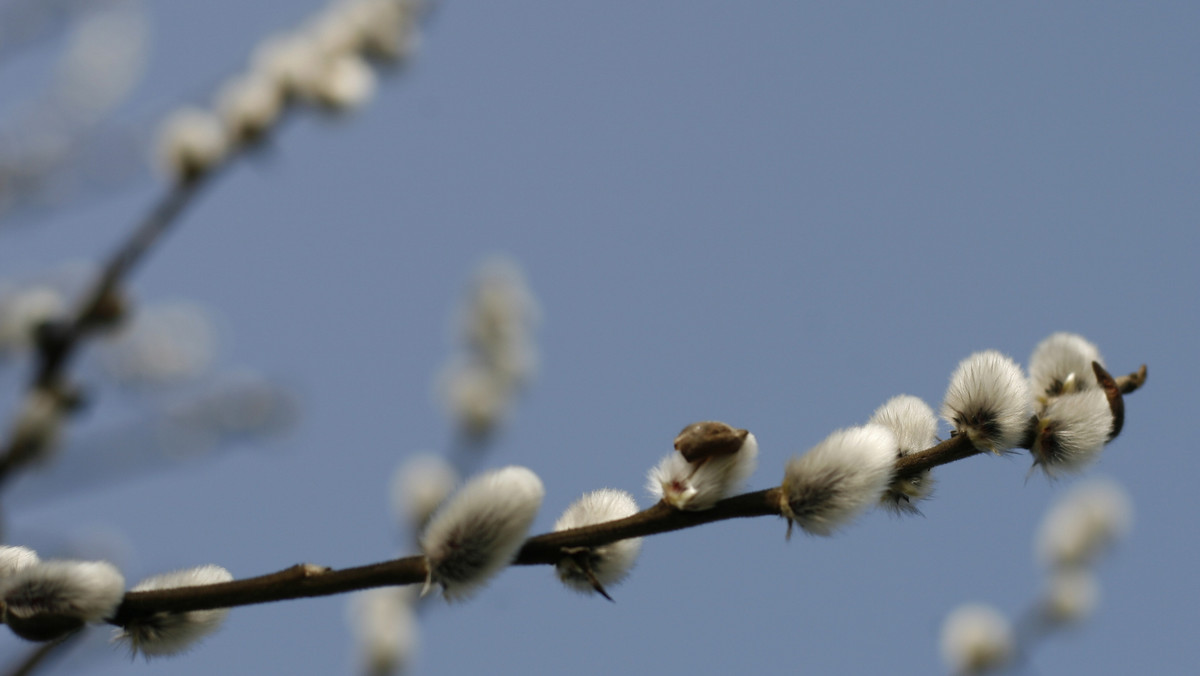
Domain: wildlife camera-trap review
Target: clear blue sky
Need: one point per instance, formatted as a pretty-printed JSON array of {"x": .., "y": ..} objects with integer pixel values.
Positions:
[{"x": 776, "y": 214}]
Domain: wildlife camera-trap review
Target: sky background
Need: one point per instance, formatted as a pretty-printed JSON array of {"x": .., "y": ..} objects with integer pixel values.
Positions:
[{"x": 775, "y": 214}]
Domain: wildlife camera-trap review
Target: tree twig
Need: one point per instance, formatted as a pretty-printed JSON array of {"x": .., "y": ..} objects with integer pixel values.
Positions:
[{"x": 307, "y": 580}]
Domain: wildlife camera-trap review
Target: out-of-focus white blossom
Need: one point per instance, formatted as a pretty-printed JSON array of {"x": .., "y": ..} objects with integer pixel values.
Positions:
[
  {"x": 977, "y": 639},
  {"x": 249, "y": 105},
  {"x": 384, "y": 623},
  {"x": 1062, "y": 363},
  {"x": 480, "y": 529},
  {"x": 831, "y": 484},
  {"x": 478, "y": 400},
  {"x": 1071, "y": 431},
  {"x": 988, "y": 400},
  {"x": 389, "y": 29},
  {"x": 342, "y": 83},
  {"x": 13, "y": 558},
  {"x": 22, "y": 310},
  {"x": 701, "y": 484},
  {"x": 164, "y": 344},
  {"x": 1092, "y": 516},
  {"x": 480, "y": 385},
  {"x": 36, "y": 430},
  {"x": 47, "y": 599},
  {"x": 104, "y": 59},
  {"x": 915, "y": 426},
  {"x": 420, "y": 486},
  {"x": 588, "y": 569},
  {"x": 191, "y": 142},
  {"x": 289, "y": 61},
  {"x": 1071, "y": 596},
  {"x": 163, "y": 634},
  {"x": 499, "y": 320}
]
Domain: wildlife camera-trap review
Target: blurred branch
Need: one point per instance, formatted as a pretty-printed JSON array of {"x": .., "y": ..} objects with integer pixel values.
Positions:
[
  {"x": 59, "y": 342},
  {"x": 308, "y": 580}
]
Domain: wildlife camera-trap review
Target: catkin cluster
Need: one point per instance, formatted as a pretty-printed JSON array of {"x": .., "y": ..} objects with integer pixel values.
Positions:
[{"x": 327, "y": 63}]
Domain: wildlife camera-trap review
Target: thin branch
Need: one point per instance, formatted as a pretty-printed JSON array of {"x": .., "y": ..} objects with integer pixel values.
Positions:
[
  {"x": 308, "y": 580},
  {"x": 58, "y": 342},
  {"x": 60, "y": 345}
]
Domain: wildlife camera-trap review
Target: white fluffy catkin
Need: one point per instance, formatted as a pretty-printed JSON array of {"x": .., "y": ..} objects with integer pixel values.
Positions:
[
  {"x": 1071, "y": 431},
  {"x": 13, "y": 558},
  {"x": 1085, "y": 522},
  {"x": 480, "y": 529},
  {"x": 915, "y": 426},
  {"x": 419, "y": 486},
  {"x": 977, "y": 639},
  {"x": 700, "y": 485},
  {"x": 988, "y": 400},
  {"x": 836, "y": 480},
  {"x": 607, "y": 564},
  {"x": 191, "y": 142},
  {"x": 1070, "y": 596},
  {"x": 384, "y": 623},
  {"x": 1062, "y": 363},
  {"x": 42, "y": 598},
  {"x": 172, "y": 633}
]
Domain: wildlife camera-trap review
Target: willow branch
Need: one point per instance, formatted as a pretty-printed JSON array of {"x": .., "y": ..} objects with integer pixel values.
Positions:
[
  {"x": 59, "y": 342},
  {"x": 308, "y": 580},
  {"x": 57, "y": 348}
]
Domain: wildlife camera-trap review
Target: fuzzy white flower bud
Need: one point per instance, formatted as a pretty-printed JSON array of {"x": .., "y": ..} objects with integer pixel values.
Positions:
[
  {"x": 191, "y": 142},
  {"x": 1062, "y": 364},
  {"x": 38, "y": 426},
  {"x": 480, "y": 529},
  {"x": 476, "y": 398},
  {"x": 836, "y": 480},
  {"x": 249, "y": 105},
  {"x": 343, "y": 82},
  {"x": 988, "y": 400},
  {"x": 13, "y": 558},
  {"x": 420, "y": 486},
  {"x": 588, "y": 569},
  {"x": 388, "y": 29},
  {"x": 977, "y": 639},
  {"x": 701, "y": 484},
  {"x": 1085, "y": 522},
  {"x": 288, "y": 61},
  {"x": 1071, "y": 431},
  {"x": 163, "y": 344},
  {"x": 48, "y": 599},
  {"x": 172, "y": 633},
  {"x": 915, "y": 426},
  {"x": 384, "y": 623},
  {"x": 1071, "y": 595},
  {"x": 497, "y": 324},
  {"x": 23, "y": 310},
  {"x": 499, "y": 320}
]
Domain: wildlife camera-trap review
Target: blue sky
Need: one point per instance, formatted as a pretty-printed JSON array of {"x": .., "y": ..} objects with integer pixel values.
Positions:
[{"x": 774, "y": 214}]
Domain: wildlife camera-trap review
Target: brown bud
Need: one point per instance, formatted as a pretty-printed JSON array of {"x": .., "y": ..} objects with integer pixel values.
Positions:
[
  {"x": 709, "y": 439},
  {"x": 1115, "y": 402},
  {"x": 110, "y": 310}
]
